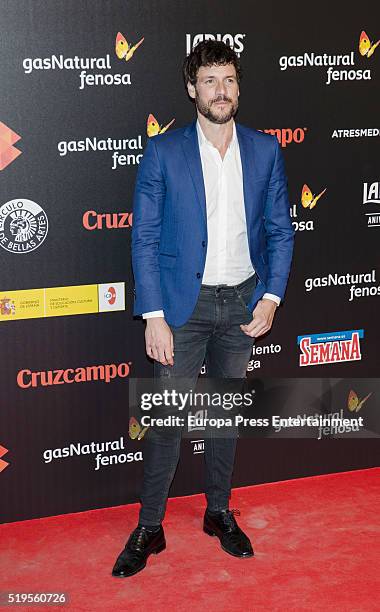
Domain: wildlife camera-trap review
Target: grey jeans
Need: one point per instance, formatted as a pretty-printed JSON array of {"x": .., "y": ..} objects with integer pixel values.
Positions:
[{"x": 211, "y": 334}]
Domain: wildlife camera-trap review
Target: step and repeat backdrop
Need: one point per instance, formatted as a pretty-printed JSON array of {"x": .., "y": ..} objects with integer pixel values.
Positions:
[{"x": 84, "y": 85}]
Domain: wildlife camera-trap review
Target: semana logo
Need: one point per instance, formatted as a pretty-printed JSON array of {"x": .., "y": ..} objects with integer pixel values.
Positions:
[
  {"x": 96, "y": 450},
  {"x": 8, "y": 152},
  {"x": 330, "y": 347},
  {"x": 371, "y": 195},
  {"x": 23, "y": 226},
  {"x": 286, "y": 136},
  {"x": 3, "y": 464},
  {"x": 93, "y": 71},
  {"x": 27, "y": 379},
  {"x": 93, "y": 220},
  {"x": 347, "y": 279},
  {"x": 308, "y": 200},
  {"x": 336, "y": 63},
  {"x": 236, "y": 41},
  {"x": 115, "y": 145}
]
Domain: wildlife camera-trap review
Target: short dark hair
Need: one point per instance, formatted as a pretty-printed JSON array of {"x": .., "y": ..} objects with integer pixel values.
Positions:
[{"x": 209, "y": 53}]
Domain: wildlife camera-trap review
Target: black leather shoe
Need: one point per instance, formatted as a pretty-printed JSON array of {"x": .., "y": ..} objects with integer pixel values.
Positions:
[
  {"x": 232, "y": 539},
  {"x": 140, "y": 545}
]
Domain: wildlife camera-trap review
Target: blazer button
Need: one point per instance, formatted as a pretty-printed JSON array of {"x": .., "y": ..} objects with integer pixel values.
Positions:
[
  {"x": 203, "y": 243},
  {"x": 198, "y": 274}
]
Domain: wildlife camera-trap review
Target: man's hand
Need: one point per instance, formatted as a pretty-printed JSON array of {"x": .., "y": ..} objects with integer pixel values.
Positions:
[
  {"x": 262, "y": 318},
  {"x": 159, "y": 340}
]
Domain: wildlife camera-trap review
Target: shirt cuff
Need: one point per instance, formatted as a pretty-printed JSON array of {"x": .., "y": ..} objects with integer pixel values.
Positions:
[
  {"x": 153, "y": 313},
  {"x": 270, "y": 296}
]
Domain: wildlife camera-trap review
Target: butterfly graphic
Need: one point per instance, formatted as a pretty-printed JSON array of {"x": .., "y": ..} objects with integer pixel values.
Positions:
[
  {"x": 354, "y": 404},
  {"x": 123, "y": 49},
  {"x": 365, "y": 45},
  {"x": 153, "y": 127},
  {"x": 308, "y": 199},
  {"x": 135, "y": 430}
]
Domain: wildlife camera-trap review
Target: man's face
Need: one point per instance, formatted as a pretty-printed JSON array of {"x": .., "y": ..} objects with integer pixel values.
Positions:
[{"x": 216, "y": 92}]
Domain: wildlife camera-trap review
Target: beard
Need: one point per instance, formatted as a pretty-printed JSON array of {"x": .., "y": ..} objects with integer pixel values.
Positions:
[{"x": 221, "y": 116}]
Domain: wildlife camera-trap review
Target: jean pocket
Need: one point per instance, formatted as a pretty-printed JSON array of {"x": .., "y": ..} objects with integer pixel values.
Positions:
[{"x": 242, "y": 301}]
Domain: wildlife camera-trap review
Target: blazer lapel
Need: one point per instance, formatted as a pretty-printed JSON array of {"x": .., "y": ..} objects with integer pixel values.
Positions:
[
  {"x": 193, "y": 159},
  {"x": 247, "y": 155}
]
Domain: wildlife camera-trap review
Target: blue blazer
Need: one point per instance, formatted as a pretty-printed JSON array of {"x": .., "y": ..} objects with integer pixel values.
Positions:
[{"x": 169, "y": 227}]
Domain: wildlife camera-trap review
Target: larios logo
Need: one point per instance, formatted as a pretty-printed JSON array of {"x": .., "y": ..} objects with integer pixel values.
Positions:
[
  {"x": 308, "y": 200},
  {"x": 330, "y": 347},
  {"x": 94, "y": 448},
  {"x": 8, "y": 152},
  {"x": 27, "y": 378},
  {"x": 106, "y": 144},
  {"x": 99, "y": 221},
  {"x": 371, "y": 195},
  {"x": 312, "y": 60},
  {"x": 346, "y": 279},
  {"x": 106, "y": 78},
  {"x": 287, "y": 135},
  {"x": 233, "y": 40}
]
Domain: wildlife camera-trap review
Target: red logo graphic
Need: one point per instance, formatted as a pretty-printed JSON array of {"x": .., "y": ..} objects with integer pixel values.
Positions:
[
  {"x": 8, "y": 152},
  {"x": 111, "y": 295},
  {"x": 3, "y": 464},
  {"x": 287, "y": 135}
]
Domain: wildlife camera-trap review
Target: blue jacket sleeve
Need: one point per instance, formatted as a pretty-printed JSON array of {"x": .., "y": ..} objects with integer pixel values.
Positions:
[
  {"x": 148, "y": 203},
  {"x": 278, "y": 227}
]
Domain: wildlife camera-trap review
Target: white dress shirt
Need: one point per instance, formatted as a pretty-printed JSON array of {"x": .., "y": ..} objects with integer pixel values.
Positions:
[{"x": 227, "y": 257}]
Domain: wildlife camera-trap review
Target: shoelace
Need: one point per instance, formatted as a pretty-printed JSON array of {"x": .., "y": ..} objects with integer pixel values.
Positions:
[
  {"x": 229, "y": 517},
  {"x": 137, "y": 539}
]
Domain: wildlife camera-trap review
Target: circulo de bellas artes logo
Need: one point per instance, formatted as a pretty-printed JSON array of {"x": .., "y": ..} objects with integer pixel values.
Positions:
[{"x": 23, "y": 226}]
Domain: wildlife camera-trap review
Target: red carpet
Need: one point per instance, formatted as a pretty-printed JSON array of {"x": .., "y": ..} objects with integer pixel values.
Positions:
[{"x": 316, "y": 543}]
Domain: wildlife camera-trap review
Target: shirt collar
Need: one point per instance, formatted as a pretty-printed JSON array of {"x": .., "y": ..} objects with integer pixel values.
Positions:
[{"x": 204, "y": 141}]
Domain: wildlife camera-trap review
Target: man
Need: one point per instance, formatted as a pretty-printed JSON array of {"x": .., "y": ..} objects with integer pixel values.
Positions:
[{"x": 212, "y": 244}]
